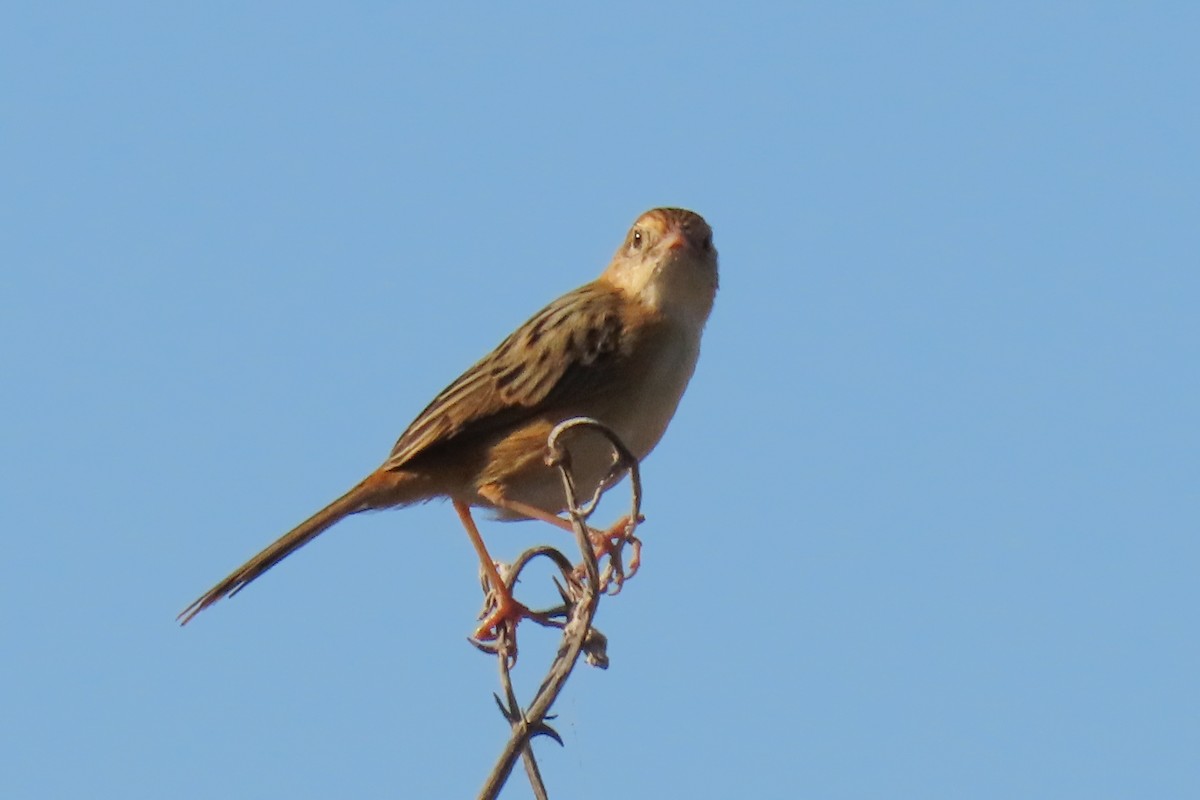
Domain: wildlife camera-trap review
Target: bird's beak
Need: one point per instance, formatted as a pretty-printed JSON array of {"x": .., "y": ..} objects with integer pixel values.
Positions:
[{"x": 676, "y": 240}]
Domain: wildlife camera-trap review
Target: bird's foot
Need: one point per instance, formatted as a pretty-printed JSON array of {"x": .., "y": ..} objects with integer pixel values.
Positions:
[
  {"x": 611, "y": 543},
  {"x": 498, "y": 625}
]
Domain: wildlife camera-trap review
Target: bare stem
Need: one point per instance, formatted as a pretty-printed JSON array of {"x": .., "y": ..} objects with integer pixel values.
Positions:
[{"x": 580, "y": 600}]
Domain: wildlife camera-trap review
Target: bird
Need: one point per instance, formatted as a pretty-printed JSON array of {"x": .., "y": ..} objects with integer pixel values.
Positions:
[{"x": 620, "y": 349}]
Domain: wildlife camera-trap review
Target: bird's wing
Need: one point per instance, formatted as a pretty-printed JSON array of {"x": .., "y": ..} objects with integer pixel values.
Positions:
[{"x": 567, "y": 350}]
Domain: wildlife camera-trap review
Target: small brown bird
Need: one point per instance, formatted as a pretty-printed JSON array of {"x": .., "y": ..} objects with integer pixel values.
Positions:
[{"x": 620, "y": 349}]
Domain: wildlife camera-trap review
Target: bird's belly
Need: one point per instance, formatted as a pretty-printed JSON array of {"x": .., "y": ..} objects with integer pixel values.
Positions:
[{"x": 638, "y": 413}]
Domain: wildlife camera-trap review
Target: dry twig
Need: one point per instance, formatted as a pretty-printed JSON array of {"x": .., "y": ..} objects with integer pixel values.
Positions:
[{"x": 580, "y": 599}]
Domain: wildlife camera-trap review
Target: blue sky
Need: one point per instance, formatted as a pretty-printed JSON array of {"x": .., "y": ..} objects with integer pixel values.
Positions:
[{"x": 925, "y": 524}]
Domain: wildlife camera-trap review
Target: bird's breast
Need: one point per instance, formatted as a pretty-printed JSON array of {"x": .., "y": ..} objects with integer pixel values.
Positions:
[
  {"x": 637, "y": 406},
  {"x": 657, "y": 378}
]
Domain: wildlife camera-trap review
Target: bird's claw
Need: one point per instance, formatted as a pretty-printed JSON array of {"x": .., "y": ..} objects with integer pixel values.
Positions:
[{"x": 611, "y": 543}]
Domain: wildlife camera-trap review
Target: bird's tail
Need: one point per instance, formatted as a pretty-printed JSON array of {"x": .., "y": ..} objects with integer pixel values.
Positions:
[{"x": 357, "y": 499}]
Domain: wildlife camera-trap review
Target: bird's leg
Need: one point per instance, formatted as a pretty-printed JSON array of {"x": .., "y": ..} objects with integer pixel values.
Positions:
[
  {"x": 604, "y": 543},
  {"x": 507, "y": 611},
  {"x": 526, "y": 510}
]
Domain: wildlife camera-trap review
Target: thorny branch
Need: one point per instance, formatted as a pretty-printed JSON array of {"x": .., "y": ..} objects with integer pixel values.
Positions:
[{"x": 574, "y": 617}]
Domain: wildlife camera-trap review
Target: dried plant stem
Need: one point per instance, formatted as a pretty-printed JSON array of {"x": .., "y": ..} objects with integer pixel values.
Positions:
[{"x": 580, "y": 598}]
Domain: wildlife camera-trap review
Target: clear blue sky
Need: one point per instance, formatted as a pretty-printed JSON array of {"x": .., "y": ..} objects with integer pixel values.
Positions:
[{"x": 926, "y": 524}]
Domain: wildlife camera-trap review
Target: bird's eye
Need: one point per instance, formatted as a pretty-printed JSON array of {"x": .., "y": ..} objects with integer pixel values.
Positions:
[
  {"x": 707, "y": 243},
  {"x": 635, "y": 240}
]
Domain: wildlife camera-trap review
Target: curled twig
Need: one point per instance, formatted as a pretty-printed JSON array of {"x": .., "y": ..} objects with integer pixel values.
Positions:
[{"x": 574, "y": 616}]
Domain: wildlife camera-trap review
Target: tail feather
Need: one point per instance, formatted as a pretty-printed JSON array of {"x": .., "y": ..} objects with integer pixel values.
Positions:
[{"x": 353, "y": 501}]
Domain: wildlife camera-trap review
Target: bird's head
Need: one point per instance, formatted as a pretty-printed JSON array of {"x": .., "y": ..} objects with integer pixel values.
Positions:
[{"x": 669, "y": 264}]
